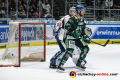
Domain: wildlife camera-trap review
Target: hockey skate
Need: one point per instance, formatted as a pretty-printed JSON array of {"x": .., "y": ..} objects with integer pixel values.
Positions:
[
  {"x": 79, "y": 65},
  {"x": 60, "y": 68},
  {"x": 52, "y": 66}
]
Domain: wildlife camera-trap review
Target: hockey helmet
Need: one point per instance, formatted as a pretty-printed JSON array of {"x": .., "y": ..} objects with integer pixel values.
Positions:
[{"x": 79, "y": 7}]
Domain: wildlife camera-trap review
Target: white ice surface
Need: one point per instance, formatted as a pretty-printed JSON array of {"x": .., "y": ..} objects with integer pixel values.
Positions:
[{"x": 99, "y": 60}]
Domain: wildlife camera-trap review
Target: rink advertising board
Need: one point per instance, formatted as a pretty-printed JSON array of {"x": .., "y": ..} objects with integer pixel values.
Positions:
[
  {"x": 4, "y": 34},
  {"x": 29, "y": 36},
  {"x": 100, "y": 33}
]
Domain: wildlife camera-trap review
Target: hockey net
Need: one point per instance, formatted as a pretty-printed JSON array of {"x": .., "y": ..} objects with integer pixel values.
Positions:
[{"x": 26, "y": 42}]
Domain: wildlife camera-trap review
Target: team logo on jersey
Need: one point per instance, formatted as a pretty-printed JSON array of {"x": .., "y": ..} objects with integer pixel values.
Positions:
[
  {"x": 76, "y": 17},
  {"x": 72, "y": 74},
  {"x": 58, "y": 24},
  {"x": 80, "y": 23},
  {"x": 70, "y": 20}
]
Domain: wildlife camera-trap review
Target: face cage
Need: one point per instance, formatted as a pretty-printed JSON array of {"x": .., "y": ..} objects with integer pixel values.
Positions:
[{"x": 72, "y": 12}]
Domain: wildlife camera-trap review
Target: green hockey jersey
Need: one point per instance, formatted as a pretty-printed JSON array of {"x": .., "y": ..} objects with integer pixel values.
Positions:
[{"x": 75, "y": 24}]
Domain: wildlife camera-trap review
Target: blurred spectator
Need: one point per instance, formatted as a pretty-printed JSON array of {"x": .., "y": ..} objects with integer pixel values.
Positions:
[
  {"x": 103, "y": 5},
  {"x": 19, "y": 4},
  {"x": 32, "y": 9},
  {"x": 40, "y": 6},
  {"x": 114, "y": 12},
  {"x": 46, "y": 9},
  {"x": 36, "y": 13},
  {"x": 57, "y": 13},
  {"x": 3, "y": 6},
  {"x": 12, "y": 13},
  {"x": 2, "y": 12},
  {"x": 22, "y": 13},
  {"x": 107, "y": 3},
  {"x": 24, "y": 3}
]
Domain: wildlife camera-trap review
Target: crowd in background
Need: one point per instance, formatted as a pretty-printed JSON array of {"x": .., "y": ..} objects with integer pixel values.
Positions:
[
  {"x": 103, "y": 7},
  {"x": 33, "y": 9},
  {"x": 46, "y": 8},
  {"x": 104, "y": 3}
]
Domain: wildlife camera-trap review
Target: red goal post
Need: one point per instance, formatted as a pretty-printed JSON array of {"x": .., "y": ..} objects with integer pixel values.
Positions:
[{"x": 26, "y": 42}]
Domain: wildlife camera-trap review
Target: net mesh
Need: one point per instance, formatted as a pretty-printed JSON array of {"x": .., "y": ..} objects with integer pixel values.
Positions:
[{"x": 28, "y": 45}]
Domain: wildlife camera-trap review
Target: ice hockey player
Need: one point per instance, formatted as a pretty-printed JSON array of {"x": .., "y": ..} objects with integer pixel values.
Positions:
[
  {"x": 75, "y": 33},
  {"x": 60, "y": 37}
]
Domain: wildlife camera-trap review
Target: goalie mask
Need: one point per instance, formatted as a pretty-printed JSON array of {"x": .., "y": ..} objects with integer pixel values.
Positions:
[
  {"x": 88, "y": 31},
  {"x": 72, "y": 11}
]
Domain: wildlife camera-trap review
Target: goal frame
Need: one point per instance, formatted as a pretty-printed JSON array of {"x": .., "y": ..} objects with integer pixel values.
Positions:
[{"x": 19, "y": 43}]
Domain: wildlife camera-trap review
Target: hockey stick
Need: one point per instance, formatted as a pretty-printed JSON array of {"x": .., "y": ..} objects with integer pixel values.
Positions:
[
  {"x": 98, "y": 43},
  {"x": 80, "y": 37},
  {"x": 50, "y": 24},
  {"x": 101, "y": 44}
]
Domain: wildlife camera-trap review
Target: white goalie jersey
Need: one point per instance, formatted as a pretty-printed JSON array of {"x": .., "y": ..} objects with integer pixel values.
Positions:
[
  {"x": 59, "y": 27},
  {"x": 61, "y": 22}
]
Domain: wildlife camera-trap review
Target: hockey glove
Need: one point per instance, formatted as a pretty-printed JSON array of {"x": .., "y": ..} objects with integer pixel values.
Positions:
[
  {"x": 76, "y": 34},
  {"x": 87, "y": 39}
]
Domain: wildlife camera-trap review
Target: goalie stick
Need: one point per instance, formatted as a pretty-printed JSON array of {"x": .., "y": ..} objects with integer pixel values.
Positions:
[
  {"x": 50, "y": 24},
  {"x": 80, "y": 37}
]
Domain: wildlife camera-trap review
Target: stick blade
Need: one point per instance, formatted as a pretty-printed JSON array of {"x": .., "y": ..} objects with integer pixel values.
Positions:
[{"x": 106, "y": 42}]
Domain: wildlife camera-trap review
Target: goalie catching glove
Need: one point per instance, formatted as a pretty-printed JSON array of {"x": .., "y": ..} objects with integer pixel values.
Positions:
[{"x": 87, "y": 39}]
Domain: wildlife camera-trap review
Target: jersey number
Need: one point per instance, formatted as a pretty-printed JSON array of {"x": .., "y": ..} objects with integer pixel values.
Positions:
[{"x": 58, "y": 24}]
